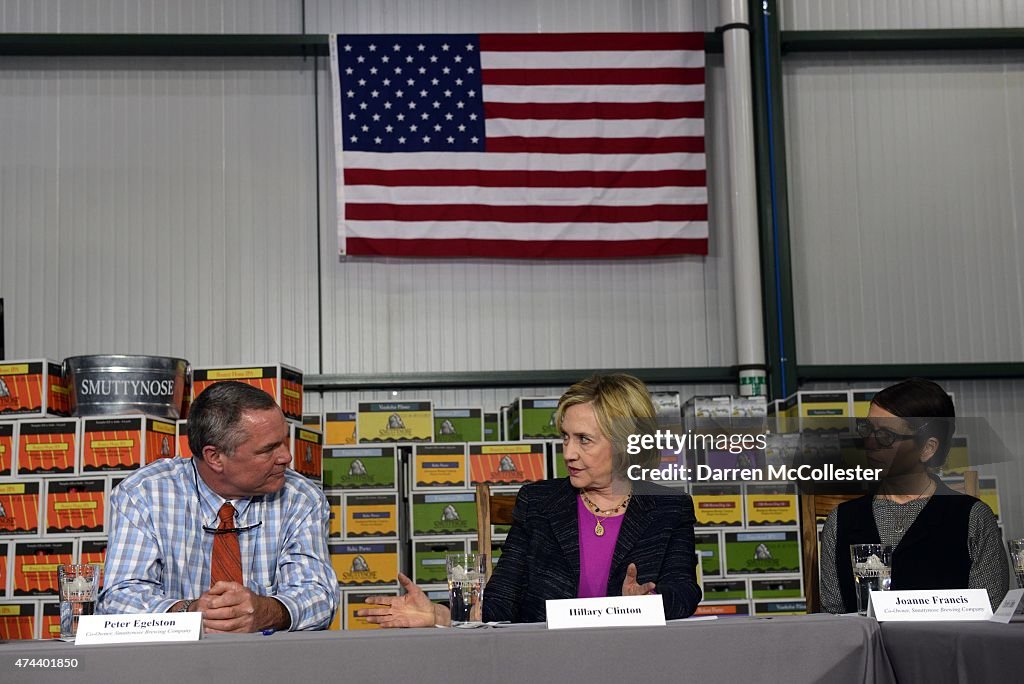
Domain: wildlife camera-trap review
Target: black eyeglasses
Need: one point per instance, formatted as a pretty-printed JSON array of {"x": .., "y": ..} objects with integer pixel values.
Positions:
[
  {"x": 884, "y": 437},
  {"x": 231, "y": 530}
]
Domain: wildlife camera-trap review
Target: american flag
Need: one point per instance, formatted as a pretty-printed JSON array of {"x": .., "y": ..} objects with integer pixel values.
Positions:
[{"x": 520, "y": 145}]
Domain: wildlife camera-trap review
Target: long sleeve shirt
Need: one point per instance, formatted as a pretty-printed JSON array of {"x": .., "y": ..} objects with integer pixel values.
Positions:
[{"x": 159, "y": 552}]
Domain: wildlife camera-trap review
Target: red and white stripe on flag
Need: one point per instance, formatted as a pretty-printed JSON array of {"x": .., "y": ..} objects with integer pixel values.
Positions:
[{"x": 521, "y": 145}]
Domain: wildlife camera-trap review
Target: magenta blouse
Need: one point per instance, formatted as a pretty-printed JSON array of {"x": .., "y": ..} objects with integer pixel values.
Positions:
[{"x": 595, "y": 552}]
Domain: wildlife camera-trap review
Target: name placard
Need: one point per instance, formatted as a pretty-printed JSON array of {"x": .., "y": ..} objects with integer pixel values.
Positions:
[
  {"x": 135, "y": 628},
  {"x": 1012, "y": 607},
  {"x": 930, "y": 605},
  {"x": 611, "y": 611}
]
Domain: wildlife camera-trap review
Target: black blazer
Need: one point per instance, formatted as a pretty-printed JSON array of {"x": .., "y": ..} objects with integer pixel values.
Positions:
[{"x": 541, "y": 556}]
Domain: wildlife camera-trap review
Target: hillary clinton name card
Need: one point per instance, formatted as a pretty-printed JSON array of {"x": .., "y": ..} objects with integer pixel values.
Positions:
[
  {"x": 137, "y": 628},
  {"x": 610, "y": 611},
  {"x": 930, "y": 605}
]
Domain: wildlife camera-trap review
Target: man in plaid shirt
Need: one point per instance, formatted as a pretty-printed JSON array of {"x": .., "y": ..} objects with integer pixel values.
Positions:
[{"x": 232, "y": 533}]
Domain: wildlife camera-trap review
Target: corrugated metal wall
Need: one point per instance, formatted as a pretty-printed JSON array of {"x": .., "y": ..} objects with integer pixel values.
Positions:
[
  {"x": 151, "y": 16},
  {"x": 821, "y": 15},
  {"x": 159, "y": 206},
  {"x": 232, "y": 184},
  {"x": 905, "y": 194}
]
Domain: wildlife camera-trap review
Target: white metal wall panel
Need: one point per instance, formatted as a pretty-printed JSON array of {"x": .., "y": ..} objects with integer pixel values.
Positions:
[
  {"x": 406, "y": 315},
  {"x": 447, "y": 16},
  {"x": 166, "y": 207},
  {"x": 1001, "y": 403},
  {"x": 151, "y": 16},
  {"x": 905, "y": 191},
  {"x": 819, "y": 15}
]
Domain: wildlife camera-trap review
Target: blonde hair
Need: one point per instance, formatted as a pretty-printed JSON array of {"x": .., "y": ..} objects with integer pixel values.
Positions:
[{"x": 623, "y": 407}]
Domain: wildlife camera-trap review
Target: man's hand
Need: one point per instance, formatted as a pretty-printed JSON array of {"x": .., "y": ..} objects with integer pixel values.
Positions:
[
  {"x": 413, "y": 609},
  {"x": 630, "y": 586},
  {"x": 230, "y": 607}
]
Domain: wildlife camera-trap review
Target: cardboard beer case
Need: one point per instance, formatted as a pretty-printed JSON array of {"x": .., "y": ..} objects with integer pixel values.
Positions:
[
  {"x": 726, "y": 590},
  {"x": 340, "y": 428},
  {"x": 354, "y": 600},
  {"x": 182, "y": 449},
  {"x": 365, "y": 564},
  {"x": 125, "y": 443},
  {"x": 18, "y": 620},
  {"x": 718, "y": 505},
  {"x": 371, "y": 515},
  {"x": 776, "y": 588},
  {"x": 428, "y": 558},
  {"x": 35, "y": 566},
  {"x": 49, "y": 623},
  {"x": 439, "y": 465},
  {"x": 458, "y": 424},
  {"x": 709, "y": 552},
  {"x": 92, "y": 550},
  {"x": 774, "y": 608},
  {"x": 307, "y": 452},
  {"x": 335, "y": 499},
  {"x": 5, "y": 581},
  {"x": 492, "y": 431},
  {"x": 8, "y": 448},
  {"x": 283, "y": 383},
  {"x": 537, "y": 418},
  {"x": 33, "y": 388},
  {"x": 75, "y": 505},
  {"x": 771, "y": 504},
  {"x": 723, "y": 609},
  {"x": 507, "y": 463},
  {"x": 776, "y": 552},
  {"x": 443, "y": 513},
  {"x": 21, "y": 508},
  {"x": 395, "y": 421},
  {"x": 48, "y": 447},
  {"x": 361, "y": 466}
]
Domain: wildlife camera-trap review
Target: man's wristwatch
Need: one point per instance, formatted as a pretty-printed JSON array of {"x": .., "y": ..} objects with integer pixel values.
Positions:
[{"x": 185, "y": 605}]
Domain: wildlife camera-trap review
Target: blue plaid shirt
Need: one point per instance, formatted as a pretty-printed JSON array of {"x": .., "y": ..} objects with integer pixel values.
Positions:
[{"x": 159, "y": 553}]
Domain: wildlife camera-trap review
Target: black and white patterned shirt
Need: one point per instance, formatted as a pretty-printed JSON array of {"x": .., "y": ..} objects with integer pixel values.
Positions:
[{"x": 989, "y": 567}]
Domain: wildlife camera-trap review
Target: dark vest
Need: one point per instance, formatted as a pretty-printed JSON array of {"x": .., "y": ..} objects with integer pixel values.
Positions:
[{"x": 933, "y": 553}]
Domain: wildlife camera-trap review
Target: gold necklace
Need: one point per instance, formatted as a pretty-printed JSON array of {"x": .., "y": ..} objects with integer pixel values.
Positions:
[{"x": 599, "y": 527}]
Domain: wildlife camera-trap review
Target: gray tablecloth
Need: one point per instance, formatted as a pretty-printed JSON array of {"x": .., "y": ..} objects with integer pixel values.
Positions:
[
  {"x": 938, "y": 652},
  {"x": 817, "y": 648}
]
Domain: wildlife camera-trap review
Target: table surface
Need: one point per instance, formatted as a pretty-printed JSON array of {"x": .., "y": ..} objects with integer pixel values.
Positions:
[
  {"x": 813, "y": 648},
  {"x": 955, "y": 651}
]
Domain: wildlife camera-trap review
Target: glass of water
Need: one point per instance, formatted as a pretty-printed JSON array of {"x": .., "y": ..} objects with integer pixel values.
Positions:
[
  {"x": 1016, "y": 548},
  {"x": 872, "y": 571},
  {"x": 78, "y": 586},
  {"x": 466, "y": 575}
]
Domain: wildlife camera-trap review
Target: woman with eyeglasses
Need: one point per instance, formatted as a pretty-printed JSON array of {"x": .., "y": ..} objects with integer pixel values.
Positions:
[{"x": 941, "y": 539}]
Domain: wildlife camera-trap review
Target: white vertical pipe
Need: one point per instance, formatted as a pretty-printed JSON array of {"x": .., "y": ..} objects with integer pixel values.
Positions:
[{"x": 743, "y": 198}]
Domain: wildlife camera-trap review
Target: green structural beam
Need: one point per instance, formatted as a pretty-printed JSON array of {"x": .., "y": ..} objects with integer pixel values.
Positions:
[
  {"x": 902, "y": 39},
  {"x": 493, "y": 379},
  {"x": 772, "y": 198},
  {"x": 160, "y": 45},
  {"x": 897, "y": 371},
  {"x": 183, "y": 45}
]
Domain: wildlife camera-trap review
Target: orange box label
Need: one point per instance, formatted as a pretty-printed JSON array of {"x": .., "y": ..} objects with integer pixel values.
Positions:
[
  {"x": 47, "y": 447},
  {"x": 35, "y": 567}
]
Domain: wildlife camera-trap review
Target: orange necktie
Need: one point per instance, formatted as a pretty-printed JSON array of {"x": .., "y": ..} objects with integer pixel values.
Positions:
[{"x": 226, "y": 564}]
